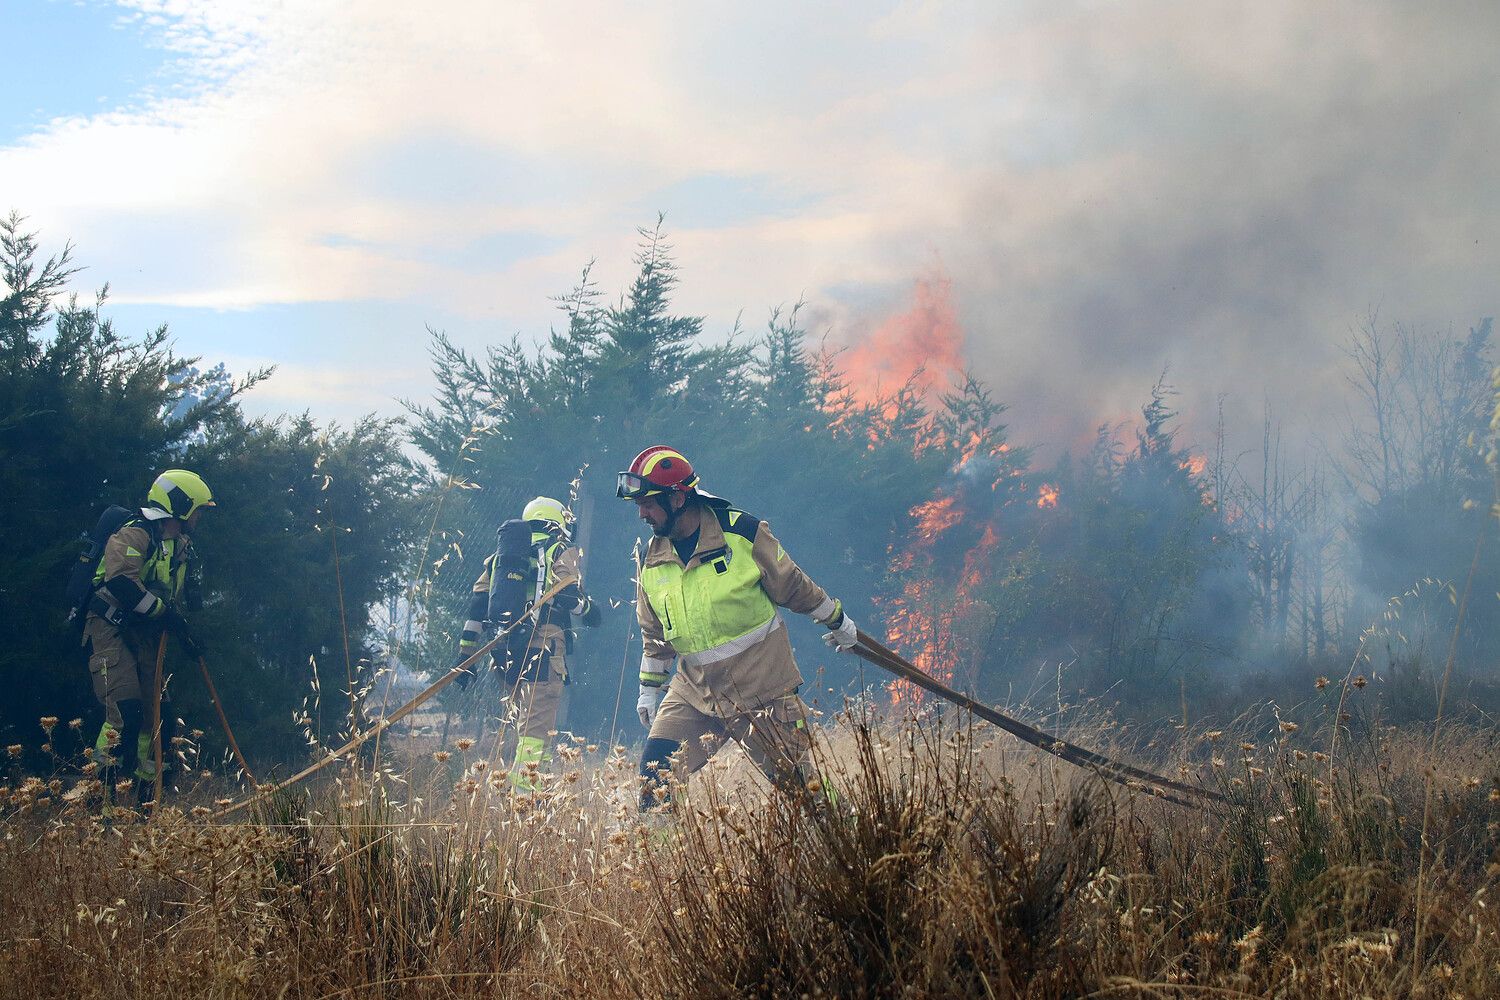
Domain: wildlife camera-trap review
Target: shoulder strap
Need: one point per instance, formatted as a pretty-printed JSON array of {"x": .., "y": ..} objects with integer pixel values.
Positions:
[{"x": 734, "y": 521}]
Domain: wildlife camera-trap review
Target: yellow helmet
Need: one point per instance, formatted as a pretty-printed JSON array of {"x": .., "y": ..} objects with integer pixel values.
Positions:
[
  {"x": 548, "y": 510},
  {"x": 177, "y": 493}
]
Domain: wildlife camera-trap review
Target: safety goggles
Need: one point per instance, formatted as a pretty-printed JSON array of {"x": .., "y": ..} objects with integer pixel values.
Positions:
[{"x": 629, "y": 486}]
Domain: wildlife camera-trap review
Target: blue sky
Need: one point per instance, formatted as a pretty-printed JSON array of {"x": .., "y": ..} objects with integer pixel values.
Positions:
[
  {"x": 1112, "y": 188},
  {"x": 78, "y": 57}
]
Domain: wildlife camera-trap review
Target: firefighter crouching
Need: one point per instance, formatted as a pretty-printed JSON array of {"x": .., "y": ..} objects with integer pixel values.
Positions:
[
  {"x": 709, "y": 595},
  {"x": 533, "y": 554},
  {"x": 140, "y": 578}
]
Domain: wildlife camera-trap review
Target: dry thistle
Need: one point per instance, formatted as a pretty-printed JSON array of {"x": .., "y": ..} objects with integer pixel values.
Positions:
[
  {"x": 1321, "y": 683},
  {"x": 1289, "y": 727},
  {"x": 464, "y": 745},
  {"x": 14, "y": 750},
  {"x": 48, "y": 723},
  {"x": 1360, "y": 681},
  {"x": 441, "y": 756},
  {"x": 1248, "y": 944}
]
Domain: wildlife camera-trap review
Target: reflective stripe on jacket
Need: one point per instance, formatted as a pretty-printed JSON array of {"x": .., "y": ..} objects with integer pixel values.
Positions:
[
  {"x": 718, "y": 613},
  {"x": 141, "y": 574}
]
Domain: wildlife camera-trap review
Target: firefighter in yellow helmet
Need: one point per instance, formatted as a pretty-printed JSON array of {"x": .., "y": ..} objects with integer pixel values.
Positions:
[
  {"x": 533, "y": 553},
  {"x": 136, "y": 589},
  {"x": 709, "y": 595}
]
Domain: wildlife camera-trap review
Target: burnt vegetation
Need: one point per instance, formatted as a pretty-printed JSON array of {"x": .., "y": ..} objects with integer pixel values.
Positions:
[{"x": 1313, "y": 638}]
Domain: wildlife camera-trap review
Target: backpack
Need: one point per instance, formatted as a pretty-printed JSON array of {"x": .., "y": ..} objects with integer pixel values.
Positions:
[
  {"x": 80, "y": 586},
  {"x": 513, "y": 587}
]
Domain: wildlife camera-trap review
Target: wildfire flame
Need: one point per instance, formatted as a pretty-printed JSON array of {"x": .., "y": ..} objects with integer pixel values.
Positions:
[
  {"x": 1046, "y": 496},
  {"x": 935, "y": 517},
  {"x": 931, "y": 624},
  {"x": 931, "y": 619},
  {"x": 923, "y": 343}
]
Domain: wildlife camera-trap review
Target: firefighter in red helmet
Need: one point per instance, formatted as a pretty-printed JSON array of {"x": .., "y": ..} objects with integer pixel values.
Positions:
[{"x": 709, "y": 595}]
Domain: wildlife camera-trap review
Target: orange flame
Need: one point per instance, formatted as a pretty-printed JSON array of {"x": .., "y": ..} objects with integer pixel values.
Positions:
[
  {"x": 928, "y": 623},
  {"x": 1195, "y": 465},
  {"x": 925, "y": 338},
  {"x": 1046, "y": 496},
  {"x": 935, "y": 517}
]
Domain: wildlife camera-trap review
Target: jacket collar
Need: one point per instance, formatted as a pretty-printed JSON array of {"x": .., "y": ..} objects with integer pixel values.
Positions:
[{"x": 661, "y": 551}]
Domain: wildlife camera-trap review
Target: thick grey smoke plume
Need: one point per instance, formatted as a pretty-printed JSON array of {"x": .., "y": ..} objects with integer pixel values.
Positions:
[{"x": 1227, "y": 189}]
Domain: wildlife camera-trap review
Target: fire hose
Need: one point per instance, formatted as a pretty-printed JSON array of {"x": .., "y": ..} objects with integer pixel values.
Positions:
[
  {"x": 1177, "y": 792},
  {"x": 213, "y": 695},
  {"x": 411, "y": 706}
]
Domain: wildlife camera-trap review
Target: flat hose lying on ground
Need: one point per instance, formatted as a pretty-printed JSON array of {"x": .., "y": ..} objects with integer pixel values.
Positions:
[
  {"x": 873, "y": 651},
  {"x": 402, "y": 712}
]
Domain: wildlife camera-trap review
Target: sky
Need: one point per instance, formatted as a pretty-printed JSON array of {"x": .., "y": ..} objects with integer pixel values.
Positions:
[{"x": 1097, "y": 191}]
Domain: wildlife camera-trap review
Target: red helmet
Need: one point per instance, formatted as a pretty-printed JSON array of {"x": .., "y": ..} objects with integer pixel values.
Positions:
[{"x": 658, "y": 469}]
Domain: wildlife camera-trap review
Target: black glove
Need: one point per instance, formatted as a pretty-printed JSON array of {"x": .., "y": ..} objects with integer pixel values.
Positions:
[
  {"x": 591, "y": 613},
  {"x": 172, "y": 621}
]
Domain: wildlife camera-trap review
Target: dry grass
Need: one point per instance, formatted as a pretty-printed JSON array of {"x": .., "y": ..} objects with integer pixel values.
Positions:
[{"x": 932, "y": 861}]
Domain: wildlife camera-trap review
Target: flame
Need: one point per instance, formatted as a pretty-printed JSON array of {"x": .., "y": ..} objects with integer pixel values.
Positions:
[
  {"x": 922, "y": 343},
  {"x": 929, "y": 623},
  {"x": 1194, "y": 465},
  {"x": 1046, "y": 496},
  {"x": 935, "y": 517}
]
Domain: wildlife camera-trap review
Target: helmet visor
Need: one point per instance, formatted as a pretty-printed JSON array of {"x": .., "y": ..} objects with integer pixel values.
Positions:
[{"x": 629, "y": 486}]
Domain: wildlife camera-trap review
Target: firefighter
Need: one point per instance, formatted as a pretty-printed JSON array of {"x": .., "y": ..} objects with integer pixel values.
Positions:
[
  {"x": 137, "y": 587},
  {"x": 708, "y": 595},
  {"x": 534, "y": 662}
]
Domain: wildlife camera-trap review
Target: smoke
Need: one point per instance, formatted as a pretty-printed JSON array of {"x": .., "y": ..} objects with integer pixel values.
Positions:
[{"x": 1224, "y": 191}]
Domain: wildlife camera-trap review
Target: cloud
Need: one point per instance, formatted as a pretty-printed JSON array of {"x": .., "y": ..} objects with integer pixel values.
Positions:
[{"x": 1111, "y": 187}]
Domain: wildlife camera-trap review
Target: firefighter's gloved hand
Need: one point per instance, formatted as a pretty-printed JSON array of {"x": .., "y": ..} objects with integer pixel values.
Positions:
[
  {"x": 591, "y": 613},
  {"x": 649, "y": 703},
  {"x": 842, "y": 634}
]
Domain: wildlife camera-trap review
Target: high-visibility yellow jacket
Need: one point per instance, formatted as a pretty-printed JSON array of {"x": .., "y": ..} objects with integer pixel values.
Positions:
[
  {"x": 140, "y": 574},
  {"x": 719, "y": 613}
]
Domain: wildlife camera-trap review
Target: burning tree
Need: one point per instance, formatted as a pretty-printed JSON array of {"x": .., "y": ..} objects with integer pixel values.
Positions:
[{"x": 933, "y": 605}]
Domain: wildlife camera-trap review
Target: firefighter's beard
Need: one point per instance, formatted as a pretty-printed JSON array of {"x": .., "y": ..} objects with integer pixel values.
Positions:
[{"x": 669, "y": 522}]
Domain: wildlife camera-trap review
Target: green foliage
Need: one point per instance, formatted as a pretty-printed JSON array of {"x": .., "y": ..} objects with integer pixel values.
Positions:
[
  {"x": 768, "y": 421},
  {"x": 299, "y": 497},
  {"x": 87, "y": 418}
]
